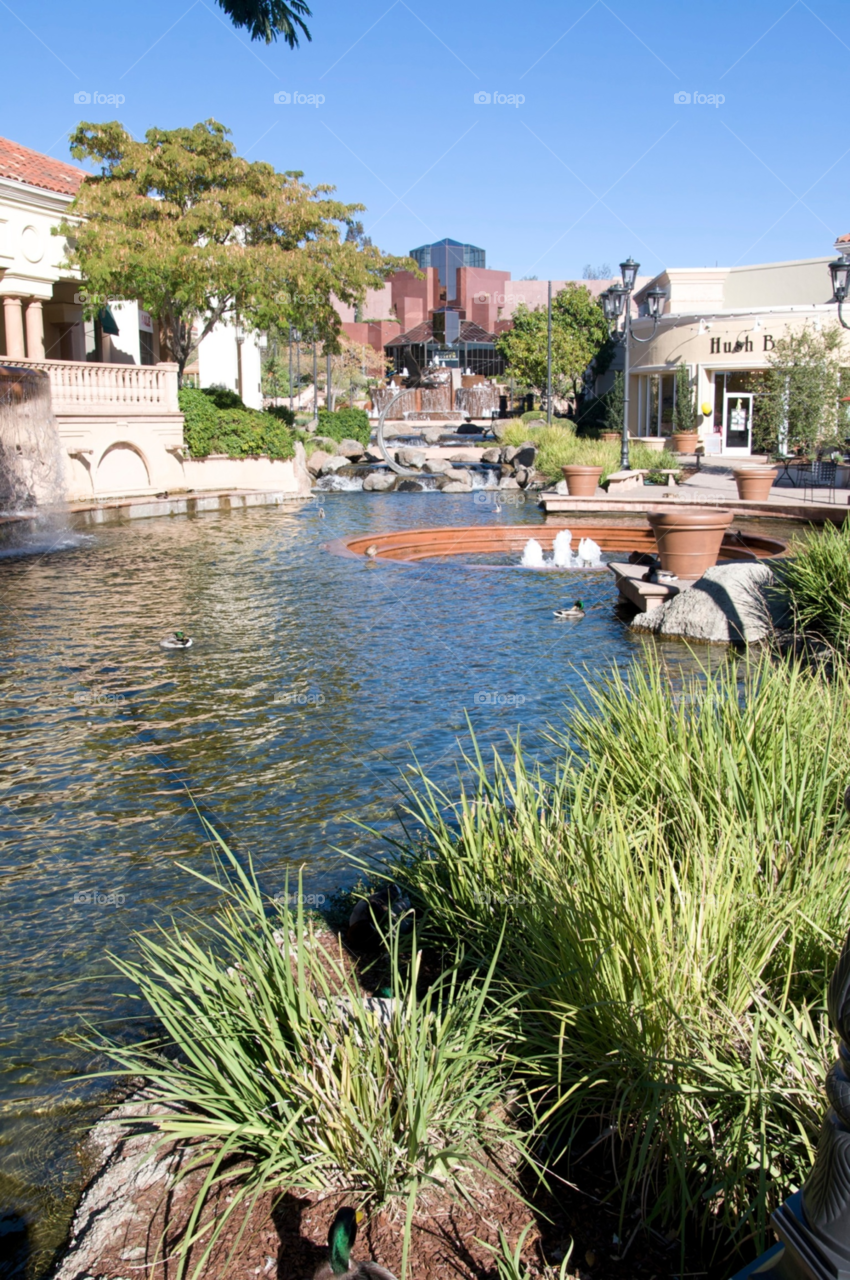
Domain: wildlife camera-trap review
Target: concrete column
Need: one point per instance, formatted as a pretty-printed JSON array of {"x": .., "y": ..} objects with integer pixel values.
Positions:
[
  {"x": 35, "y": 329},
  {"x": 14, "y": 320}
]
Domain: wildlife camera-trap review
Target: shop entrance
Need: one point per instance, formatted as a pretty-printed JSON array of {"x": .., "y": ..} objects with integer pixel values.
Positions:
[{"x": 734, "y": 394}]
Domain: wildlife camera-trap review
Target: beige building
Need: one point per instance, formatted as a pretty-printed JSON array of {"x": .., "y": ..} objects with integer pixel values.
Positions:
[{"x": 722, "y": 322}]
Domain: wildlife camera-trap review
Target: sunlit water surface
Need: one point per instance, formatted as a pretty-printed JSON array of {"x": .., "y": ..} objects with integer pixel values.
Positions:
[{"x": 313, "y": 681}]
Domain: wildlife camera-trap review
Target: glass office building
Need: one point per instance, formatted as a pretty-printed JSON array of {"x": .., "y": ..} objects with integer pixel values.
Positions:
[{"x": 447, "y": 255}]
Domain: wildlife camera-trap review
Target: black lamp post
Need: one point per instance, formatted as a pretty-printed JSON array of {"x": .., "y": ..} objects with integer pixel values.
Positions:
[
  {"x": 616, "y": 302},
  {"x": 840, "y": 272}
]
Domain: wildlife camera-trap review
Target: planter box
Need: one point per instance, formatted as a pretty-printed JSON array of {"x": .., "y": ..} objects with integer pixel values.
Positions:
[
  {"x": 611, "y": 437},
  {"x": 582, "y": 482},
  {"x": 655, "y": 443},
  {"x": 754, "y": 483},
  {"x": 689, "y": 541},
  {"x": 684, "y": 441}
]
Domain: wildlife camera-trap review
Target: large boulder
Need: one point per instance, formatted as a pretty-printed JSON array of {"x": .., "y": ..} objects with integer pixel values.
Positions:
[
  {"x": 525, "y": 455},
  {"x": 316, "y": 461},
  {"x": 455, "y": 486},
  {"x": 458, "y": 475},
  {"x": 491, "y": 455},
  {"x": 379, "y": 482},
  {"x": 409, "y": 486},
  {"x": 413, "y": 458},
  {"x": 436, "y": 466},
  {"x": 352, "y": 449},
  {"x": 432, "y": 435},
  {"x": 332, "y": 465},
  {"x": 508, "y": 482},
  {"x": 729, "y": 604}
]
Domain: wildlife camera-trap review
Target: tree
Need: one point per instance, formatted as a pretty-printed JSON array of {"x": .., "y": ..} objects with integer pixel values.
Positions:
[
  {"x": 685, "y": 411},
  {"x": 579, "y": 330},
  {"x": 602, "y": 272},
  {"x": 799, "y": 405},
  {"x": 196, "y": 233},
  {"x": 269, "y": 18}
]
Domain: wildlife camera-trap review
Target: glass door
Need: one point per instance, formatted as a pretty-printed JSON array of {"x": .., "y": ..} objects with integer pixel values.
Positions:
[{"x": 737, "y": 422}]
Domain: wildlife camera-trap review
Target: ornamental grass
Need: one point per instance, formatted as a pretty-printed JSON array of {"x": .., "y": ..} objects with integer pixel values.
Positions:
[
  {"x": 558, "y": 446},
  {"x": 815, "y": 582}
]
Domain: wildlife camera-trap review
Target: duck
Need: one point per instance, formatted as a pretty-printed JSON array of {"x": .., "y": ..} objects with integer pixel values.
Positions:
[
  {"x": 341, "y": 1237},
  {"x": 371, "y": 917},
  {"x": 177, "y": 640},
  {"x": 575, "y": 611},
  {"x": 372, "y": 551}
]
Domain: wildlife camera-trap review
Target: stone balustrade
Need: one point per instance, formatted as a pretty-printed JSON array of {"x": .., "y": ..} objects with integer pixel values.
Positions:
[{"x": 121, "y": 390}]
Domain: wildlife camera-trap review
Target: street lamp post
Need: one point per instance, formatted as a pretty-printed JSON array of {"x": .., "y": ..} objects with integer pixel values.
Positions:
[
  {"x": 616, "y": 302},
  {"x": 840, "y": 272}
]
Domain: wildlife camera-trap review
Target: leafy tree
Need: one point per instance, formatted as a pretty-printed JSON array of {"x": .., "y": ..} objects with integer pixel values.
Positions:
[
  {"x": 579, "y": 330},
  {"x": 799, "y": 406},
  {"x": 602, "y": 272},
  {"x": 685, "y": 411},
  {"x": 196, "y": 233},
  {"x": 267, "y": 19}
]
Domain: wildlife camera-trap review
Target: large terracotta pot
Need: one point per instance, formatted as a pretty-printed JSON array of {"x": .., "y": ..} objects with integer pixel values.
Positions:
[
  {"x": 582, "y": 482},
  {"x": 612, "y": 437},
  {"x": 689, "y": 541},
  {"x": 684, "y": 441},
  {"x": 656, "y": 443},
  {"x": 754, "y": 482}
]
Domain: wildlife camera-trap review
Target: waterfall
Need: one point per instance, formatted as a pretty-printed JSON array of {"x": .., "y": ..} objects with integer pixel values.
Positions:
[{"x": 32, "y": 473}]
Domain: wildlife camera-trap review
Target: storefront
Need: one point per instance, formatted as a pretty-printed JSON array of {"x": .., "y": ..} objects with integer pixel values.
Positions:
[{"x": 726, "y": 348}]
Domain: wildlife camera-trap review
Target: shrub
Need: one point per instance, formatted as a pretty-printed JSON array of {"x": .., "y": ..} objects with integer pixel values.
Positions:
[
  {"x": 224, "y": 398},
  {"x": 285, "y": 415},
  {"x": 272, "y": 1064},
  {"x": 345, "y": 424},
  {"x": 238, "y": 432},
  {"x": 201, "y": 421},
  {"x": 670, "y": 901},
  {"x": 816, "y": 584},
  {"x": 558, "y": 447}
]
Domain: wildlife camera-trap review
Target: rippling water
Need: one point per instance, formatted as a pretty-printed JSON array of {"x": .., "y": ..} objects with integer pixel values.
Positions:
[{"x": 312, "y": 680}]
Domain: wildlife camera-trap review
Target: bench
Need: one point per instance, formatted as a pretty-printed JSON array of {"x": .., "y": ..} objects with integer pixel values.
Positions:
[{"x": 620, "y": 481}]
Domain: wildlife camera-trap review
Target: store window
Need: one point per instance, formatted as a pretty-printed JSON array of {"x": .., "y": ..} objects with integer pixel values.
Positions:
[{"x": 656, "y": 402}]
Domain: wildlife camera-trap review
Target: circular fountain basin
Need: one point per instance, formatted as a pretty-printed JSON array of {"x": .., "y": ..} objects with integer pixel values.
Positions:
[{"x": 423, "y": 544}]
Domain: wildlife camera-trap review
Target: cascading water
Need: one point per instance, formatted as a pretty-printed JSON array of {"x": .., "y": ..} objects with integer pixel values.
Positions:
[
  {"x": 588, "y": 556},
  {"x": 31, "y": 465}
]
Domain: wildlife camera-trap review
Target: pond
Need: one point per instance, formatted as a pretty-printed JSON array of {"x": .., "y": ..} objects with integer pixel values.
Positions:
[{"x": 312, "y": 683}]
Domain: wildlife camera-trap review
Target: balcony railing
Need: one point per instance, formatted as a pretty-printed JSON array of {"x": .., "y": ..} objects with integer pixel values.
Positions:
[{"x": 125, "y": 389}]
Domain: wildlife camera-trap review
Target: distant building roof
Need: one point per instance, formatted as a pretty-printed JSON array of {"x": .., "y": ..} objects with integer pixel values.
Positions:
[
  {"x": 424, "y": 332},
  {"x": 38, "y": 170},
  {"x": 843, "y": 240}
]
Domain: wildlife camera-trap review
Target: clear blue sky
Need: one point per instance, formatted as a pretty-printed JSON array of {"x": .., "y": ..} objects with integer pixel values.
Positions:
[{"x": 598, "y": 162}]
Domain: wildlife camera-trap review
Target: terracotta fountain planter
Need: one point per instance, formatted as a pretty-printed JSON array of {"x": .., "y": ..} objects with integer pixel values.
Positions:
[
  {"x": 754, "y": 483},
  {"x": 685, "y": 441},
  {"x": 582, "y": 482},
  {"x": 689, "y": 541}
]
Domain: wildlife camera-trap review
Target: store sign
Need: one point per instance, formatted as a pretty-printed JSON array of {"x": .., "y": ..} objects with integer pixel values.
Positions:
[
  {"x": 719, "y": 347},
  {"x": 145, "y": 321}
]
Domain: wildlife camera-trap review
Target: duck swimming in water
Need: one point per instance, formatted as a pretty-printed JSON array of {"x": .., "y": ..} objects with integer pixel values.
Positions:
[
  {"x": 177, "y": 640},
  {"x": 575, "y": 611},
  {"x": 339, "y": 1265}
]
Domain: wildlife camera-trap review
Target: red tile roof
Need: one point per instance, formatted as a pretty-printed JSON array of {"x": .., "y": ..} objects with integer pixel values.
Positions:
[
  {"x": 843, "y": 240},
  {"x": 38, "y": 170}
]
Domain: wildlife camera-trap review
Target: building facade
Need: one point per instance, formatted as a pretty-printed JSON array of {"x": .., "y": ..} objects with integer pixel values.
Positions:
[{"x": 723, "y": 323}]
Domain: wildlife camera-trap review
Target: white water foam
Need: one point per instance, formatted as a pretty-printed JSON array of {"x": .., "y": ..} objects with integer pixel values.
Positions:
[{"x": 588, "y": 556}]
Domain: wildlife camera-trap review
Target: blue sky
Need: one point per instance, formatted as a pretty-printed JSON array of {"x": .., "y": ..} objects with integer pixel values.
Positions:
[{"x": 598, "y": 162}]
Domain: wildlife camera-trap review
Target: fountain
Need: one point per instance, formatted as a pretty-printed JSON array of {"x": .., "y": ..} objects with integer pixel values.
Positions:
[
  {"x": 31, "y": 467},
  {"x": 588, "y": 556}
]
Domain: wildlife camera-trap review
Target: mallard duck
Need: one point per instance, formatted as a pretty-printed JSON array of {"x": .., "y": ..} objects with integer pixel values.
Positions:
[
  {"x": 341, "y": 1237},
  {"x": 371, "y": 917},
  {"x": 575, "y": 611},
  {"x": 177, "y": 640}
]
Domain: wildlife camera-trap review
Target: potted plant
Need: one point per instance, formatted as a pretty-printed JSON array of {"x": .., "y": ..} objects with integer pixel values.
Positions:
[
  {"x": 611, "y": 437},
  {"x": 582, "y": 482},
  {"x": 754, "y": 482},
  {"x": 685, "y": 436},
  {"x": 689, "y": 541}
]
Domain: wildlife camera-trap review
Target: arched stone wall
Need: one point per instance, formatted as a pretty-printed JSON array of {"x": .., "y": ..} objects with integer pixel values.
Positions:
[{"x": 122, "y": 468}]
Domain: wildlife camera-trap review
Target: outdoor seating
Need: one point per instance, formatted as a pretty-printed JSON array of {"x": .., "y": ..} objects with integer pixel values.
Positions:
[{"x": 820, "y": 475}]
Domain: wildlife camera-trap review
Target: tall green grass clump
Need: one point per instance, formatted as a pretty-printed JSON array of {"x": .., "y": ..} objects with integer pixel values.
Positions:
[
  {"x": 558, "y": 446},
  {"x": 280, "y": 1074},
  {"x": 815, "y": 581},
  {"x": 671, "y": 901}
]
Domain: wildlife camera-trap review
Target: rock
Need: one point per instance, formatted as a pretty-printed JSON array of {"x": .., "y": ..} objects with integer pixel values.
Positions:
[
  {"x": 469, "y": 429},
  {"x": 436, "y": 466},
  {"x": 325, "y": 442},
  {"x": 409, "y": 486},
  {"x": 302, "y": 472},
  {"x": 432, "y": 435},
  {"x": 537, "y": 422},
  {"x": 522, "y": 477},
  {"x": 729, "y": 604},
  {"x": 317, "y": 460},
  {"x": 410, "y": 458},
  {"x": 561, "y": 488},
  {"x": 505, "y": 469},
  {"x": 459, "y": 475},
  {"x": 508, "y": 482},
  {"x": 455, "y": 486},
  {"x": 379, "y": 482},
  {"x": 352, "y": 449},
  {"x": 491, "y": 455},
  {"x": 332, "y": 465},
  {"x": 499, "y": 429},
  {"x": 374, "y": 455},
  {"x": 524, "y": 455}
]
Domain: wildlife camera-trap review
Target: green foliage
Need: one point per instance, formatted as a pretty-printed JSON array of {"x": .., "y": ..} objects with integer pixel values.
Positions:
[
  {"x": 615, "y": 403},
  {"x": 224, "y": 398},
  {"x": 237, "y": 432},
  {"x": 272, "y": 1063},
  {"x": 533, "y": 415},
  {"x": 579, "y": 331},
  {"x": 286, "y": 415},
  {"x": 799, "y": 405},
  {"x": 197, "y": 233},
  {"x": 671, "y": 901},
  {"x": 815, "y": 581},
  {"x": 558, "y": 447},
  {"x": 267, "y": 19},
  {"x": 345, "y": 424},
  {"x": 685, "y": 411}
]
